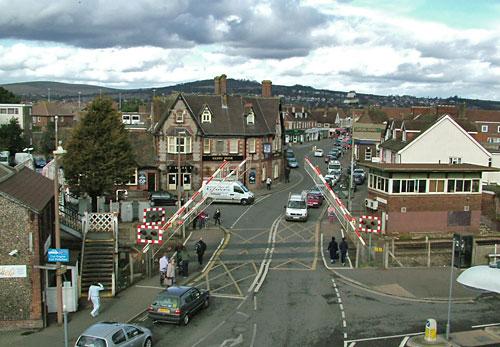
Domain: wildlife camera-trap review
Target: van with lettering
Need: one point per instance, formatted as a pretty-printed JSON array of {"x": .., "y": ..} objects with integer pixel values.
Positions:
[{"x": 228, "y": 191}]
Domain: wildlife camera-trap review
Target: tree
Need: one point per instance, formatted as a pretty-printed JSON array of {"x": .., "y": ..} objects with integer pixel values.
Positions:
[
  {"x": 12, "y": 137},
  {"x": 48, "y": 140},
  {"x": 99, "y": 153},
  {"x": 132, "y": 105},
  {"x": 7, "y": 97}
]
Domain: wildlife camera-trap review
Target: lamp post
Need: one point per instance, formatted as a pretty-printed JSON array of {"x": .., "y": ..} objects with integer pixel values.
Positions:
[
  {"x": 79, "y": 98},
  {"x": 59, "y": 151},
  {"x": 451, "y": 290},
  {"x": 179, "y": 180}
]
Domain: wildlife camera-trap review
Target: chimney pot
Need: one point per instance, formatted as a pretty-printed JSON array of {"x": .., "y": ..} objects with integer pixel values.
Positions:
[
  {"x": 267, "y": 89},
  {"x": 217, "y": 85}
]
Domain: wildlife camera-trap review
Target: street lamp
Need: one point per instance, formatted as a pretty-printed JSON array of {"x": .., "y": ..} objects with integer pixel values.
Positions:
[
  {"x": 451, "y": 290},
  {"x": 59, "y": 151},
  {"x": 179, "y": 134}
]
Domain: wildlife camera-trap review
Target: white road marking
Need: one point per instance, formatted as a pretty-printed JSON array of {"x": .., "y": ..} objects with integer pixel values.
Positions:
[
  {"x": 343, "y": 314},
  {"x": 214, "y": 253},
  {"x": 341, "y": 306},
  {"x": 210, "y": 333},
  {"x": 484, "y": 325},
  {"x": 340, "y": 300},
  {"x": 224, "y": 296},
  {"x": 241, "y": 303},
  {"x": 352, "y": 343},
  {"x": 150, "y": 287},
  {"x": 344, "y": 323},
  {"x": 385, "y": 337},
  {"x": 254, "y": 334},
  {"x": 255, "y": 303},
  {"x": 405, "y": 340}
]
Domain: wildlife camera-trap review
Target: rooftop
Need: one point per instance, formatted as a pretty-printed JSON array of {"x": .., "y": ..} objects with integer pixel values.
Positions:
[{"x": 429, "y": 167}]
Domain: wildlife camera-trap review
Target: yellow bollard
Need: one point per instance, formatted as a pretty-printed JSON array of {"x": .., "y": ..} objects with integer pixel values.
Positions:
[{"x": 430, "y": 330}]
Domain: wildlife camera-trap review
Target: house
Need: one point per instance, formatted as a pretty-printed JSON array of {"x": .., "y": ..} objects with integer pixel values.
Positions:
[
  {"x": 202, "y": 131},
  {"x": 45, "y": 112},
  {"x": 325, "y": 121},
  {"x": 367, "y": 133},
  {"x": 21, "y": 112},
  {"x": 147, "y": 175},
  {"x": 297, "y": 120},
  {"x": 27, "y": 225},
  {"x": 426, "y": 197}
]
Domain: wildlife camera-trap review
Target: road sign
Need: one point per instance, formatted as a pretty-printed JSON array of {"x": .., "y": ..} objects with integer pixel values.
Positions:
[
  {"x": 370, "y": 224},
  {"x": 58, "y": 255}
]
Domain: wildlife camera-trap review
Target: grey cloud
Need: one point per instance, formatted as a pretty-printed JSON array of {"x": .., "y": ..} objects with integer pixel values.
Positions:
[{"x": 168, "y": 24}]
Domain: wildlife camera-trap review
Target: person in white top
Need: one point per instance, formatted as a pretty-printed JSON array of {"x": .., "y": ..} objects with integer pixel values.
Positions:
[
  {"x": 94, "y": 290},
  {"x": 163, "y": 268}
]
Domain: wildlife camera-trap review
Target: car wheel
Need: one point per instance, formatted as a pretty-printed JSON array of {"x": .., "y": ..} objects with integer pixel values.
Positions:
[
  {"x": 148, "y": 342},
  {"x": 244, "y": 202},
  {"x": 185, "y": 320},
  {"x": 206, "y": 304}
]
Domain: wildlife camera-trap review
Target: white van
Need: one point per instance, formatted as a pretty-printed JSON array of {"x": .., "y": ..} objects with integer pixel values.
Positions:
[
  {"x": 334, "y": 167},
  {"x": 296, "y": 207},
  {"x": 228, "y": 191}
]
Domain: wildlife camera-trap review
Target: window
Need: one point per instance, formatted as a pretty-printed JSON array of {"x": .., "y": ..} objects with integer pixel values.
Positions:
[
  {"x": 219, "y": 146},
  {"x": 118, "y": 337},
  {"x": 13, "y": 111},
  {"x": 276, "y": 171},
  {"x": 3, "y": 111},
  {"x": 436, "y": 186},
  {"x": 233, "y": 146},
  {"x": 131, "y": 332},
  {"x": 206, "y": 116},
  {"x": 179, "y": 144},
  {"x": 368, "y": 153},
  {"x": 251, "y": 117},
  {"x": 251, "y": 145},
  {"x": 179, "y": 116},
  {"x": 206, "y": 146},
  {"x": 455, "y": 160},
  {"x": 484, "y": 128}
]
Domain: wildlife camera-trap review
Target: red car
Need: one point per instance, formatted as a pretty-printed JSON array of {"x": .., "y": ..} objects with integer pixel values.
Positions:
[{"x": 314, "y": 198}]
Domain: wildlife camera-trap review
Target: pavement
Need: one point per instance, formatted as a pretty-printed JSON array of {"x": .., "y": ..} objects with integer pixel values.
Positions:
[{"x": 417, "y": 284}]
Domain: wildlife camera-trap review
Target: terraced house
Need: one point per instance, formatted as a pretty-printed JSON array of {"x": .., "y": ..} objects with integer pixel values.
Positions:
[{"x": 203, "y": 131}]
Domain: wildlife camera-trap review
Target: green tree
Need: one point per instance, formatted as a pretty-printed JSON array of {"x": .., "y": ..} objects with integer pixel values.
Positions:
[
  {"x": 7, "y": 97},
  {"x": 48, "y": 140},
  {"x": 99, "y": 153},
  {"x": 12, "y": 137},
  {"x": 132, "y": 105}
]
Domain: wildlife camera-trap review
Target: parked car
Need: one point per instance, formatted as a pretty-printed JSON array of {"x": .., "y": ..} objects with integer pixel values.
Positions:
[
  {"x": 293, "y": 163},
  {"x": 360, "y": 171},
  {"x": 358, "y": 176},
  {"x": 290, "y": 154},
  {"x": 178, "y": 304},
  {"x": 108, "y": 334},
  {"x": 163, "y": 198},
  {"x": 318, "y": 152},
  {"x": 332, "y": 179}
]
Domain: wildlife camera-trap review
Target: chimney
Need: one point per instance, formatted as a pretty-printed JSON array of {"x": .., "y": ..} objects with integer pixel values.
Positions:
[
  {"x": 223, "y": 85},
  {"x": 217, "y": 85},
  {"x": 267, "y": 89}
]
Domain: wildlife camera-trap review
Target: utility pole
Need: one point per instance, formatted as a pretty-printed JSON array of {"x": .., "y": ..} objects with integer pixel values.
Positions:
[
  {"x": 351, "y": 164},
  {"x": 179, "y": 179}
]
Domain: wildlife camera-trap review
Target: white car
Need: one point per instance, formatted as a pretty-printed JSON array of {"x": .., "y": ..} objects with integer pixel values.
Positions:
[{"x": 318, "y": 153}]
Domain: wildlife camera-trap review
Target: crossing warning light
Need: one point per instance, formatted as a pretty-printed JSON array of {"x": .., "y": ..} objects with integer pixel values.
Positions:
[
  {"x": 149, "y": 233},
  {"x": 370, "y": 224},
  {"x": 153, "y": 216}
]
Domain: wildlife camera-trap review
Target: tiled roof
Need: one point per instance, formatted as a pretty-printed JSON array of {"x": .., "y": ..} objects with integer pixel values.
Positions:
[
  {"x": 143, "y": 144},
  {"x": 51, "y": 109},
  {"x": 467, "y": 125},
  {"x": 396, "y": 112},
  {"x": 394, "y": 144},
  {"x": 483, "y": 115},
  {"x": 28, "y": 188},
  {"x": 429, "y": 167}
]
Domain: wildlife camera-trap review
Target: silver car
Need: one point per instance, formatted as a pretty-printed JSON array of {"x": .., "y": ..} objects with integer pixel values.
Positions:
[{"x": 107, "y": 334}]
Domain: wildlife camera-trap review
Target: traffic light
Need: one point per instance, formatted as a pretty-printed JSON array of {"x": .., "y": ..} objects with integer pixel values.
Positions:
[
  {"x": 370, "y": 224},
  {"x": 149, "y": 233}
]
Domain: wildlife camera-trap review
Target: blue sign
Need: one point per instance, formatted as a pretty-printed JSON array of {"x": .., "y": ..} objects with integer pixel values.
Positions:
[{"x": 58, "y": 254}]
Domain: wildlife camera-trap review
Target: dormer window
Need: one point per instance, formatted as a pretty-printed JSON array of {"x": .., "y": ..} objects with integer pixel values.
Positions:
[
  {"x": 251, "y": 117},
  {"x": 206, "y": 116},
  {"x": 179, "y": 116}
]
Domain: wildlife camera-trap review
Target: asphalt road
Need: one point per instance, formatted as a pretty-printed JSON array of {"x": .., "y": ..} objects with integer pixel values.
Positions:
[{"x": 270, "y": 287}]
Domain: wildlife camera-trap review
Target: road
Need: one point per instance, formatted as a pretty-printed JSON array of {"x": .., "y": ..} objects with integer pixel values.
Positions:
[{"x": 271, "y": 288}]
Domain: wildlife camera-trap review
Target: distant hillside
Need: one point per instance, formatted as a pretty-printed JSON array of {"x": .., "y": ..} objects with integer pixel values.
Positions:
[{"x": 297, "y": 94}]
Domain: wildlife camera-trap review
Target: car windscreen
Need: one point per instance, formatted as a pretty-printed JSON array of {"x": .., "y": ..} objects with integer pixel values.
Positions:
[
  {"x": 312, "y": 196},
  {"x": 167, "y": 301},
  {"x": 245, "y": 189},
  {"x": 91, "y": 341},
  {"x": 296, "y": 204}
]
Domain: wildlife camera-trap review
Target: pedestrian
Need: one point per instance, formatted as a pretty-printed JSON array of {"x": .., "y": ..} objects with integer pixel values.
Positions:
[
  {"x": 201, "y": 219},
  {"x": 163, "y": 268},
  {"x": 268, "y": 182},
  {"x": 93, "y": 296},
  {"x": 343, "y": 251},
  {"x": 331, "y": 214},
  {"x": 287, "y": 174},
  {"x": 200, "y": 247},
  {"x": 217, "y": 216},
  {"x": 185, "y": 261},
  {"x": 195, "y": 221},
  {"x": 170, "y": 274},
  {"x": 333, "y": 248}
]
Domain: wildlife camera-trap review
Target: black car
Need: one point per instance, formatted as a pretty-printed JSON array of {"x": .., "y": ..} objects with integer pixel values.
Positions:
[
  {"x": 178, "y": 304},
  {"x": 162, "y": 199}
]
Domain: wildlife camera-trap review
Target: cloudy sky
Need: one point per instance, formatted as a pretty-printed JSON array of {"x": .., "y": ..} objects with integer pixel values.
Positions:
[{"x": 416, "y": 47}]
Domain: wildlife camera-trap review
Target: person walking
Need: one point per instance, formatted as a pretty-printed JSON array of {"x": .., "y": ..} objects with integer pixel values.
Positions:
[
  {"x": 185, "y": 262},
  {"x": 287, "y": 174},
  {"x": 163, "y": 268},
  {"x": 217, "y": 216},
  {"x": 268, "y": 182},
  {"x": 170, "y": 274},
  {"x": 331, "y": 214},
  {"x": 343, "y": 251},
  {"x": 201, "y": 219},
  {"x": 200, "y": 247},
  {"x": 333, "y": 247},
  {"x": 93, "y": 296}
]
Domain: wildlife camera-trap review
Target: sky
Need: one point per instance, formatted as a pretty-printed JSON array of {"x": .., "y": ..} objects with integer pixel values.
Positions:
[{"x": 427, "y": 48}]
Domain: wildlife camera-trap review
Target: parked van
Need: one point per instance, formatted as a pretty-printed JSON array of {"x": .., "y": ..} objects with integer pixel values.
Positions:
[
  {"x": 4, "y": 157},
  {"x": 228, "y": 191},
  {"x": 23, "y": 158},
  {"x": 296, "y": 207},
  {"x": 334, "y": 167}
]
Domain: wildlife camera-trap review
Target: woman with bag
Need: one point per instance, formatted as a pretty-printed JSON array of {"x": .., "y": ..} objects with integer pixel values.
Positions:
[{"x": 169, "y": 276}]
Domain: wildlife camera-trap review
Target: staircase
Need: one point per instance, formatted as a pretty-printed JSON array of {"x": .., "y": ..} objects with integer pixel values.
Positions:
[{"x": 98, "y": 264}]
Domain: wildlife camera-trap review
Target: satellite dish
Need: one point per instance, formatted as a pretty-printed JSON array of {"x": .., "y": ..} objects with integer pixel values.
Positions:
[{"x": 481, "y": 278}]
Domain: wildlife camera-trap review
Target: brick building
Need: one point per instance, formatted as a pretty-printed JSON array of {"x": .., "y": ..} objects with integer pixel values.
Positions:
[
  {"x": 426, "y": 198},
  {"x": 202, "y": 131},
  {"x": 26, "y": 225}
]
